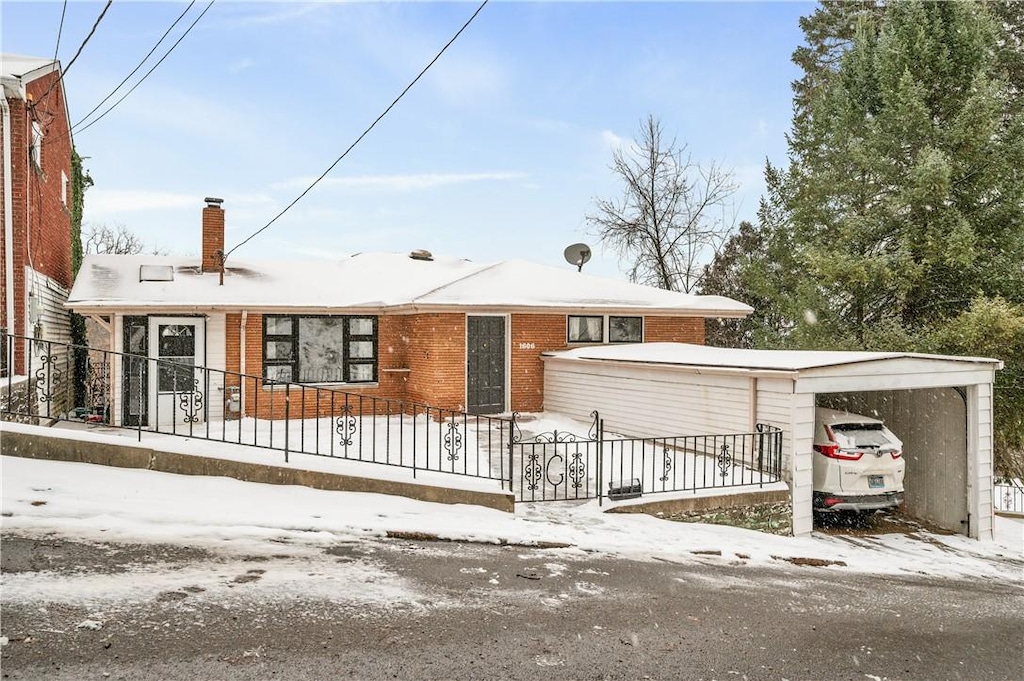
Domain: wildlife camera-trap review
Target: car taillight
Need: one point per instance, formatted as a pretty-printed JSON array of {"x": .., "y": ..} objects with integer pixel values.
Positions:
[
  {"x": 832, "y": 451},
  {"x": 896, "y": 453},
  {"x": 832, "y": 501}
]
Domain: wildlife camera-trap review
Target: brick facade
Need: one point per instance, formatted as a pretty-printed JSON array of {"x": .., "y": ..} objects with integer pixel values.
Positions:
[
  {"x": 41, "y": 219},
  {"x": 422, "y": 360},
  {"x": 674, "y": 330}
]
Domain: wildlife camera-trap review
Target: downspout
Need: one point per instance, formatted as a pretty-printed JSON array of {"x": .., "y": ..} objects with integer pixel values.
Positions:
[{"x": 8, "y": 220}]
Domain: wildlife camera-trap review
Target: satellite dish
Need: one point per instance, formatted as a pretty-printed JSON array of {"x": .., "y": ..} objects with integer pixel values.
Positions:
[{"x": 577, "y": 254}]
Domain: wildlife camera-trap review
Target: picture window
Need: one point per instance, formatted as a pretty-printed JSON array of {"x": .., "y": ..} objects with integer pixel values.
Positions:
[{"x": 320, "y": 349}]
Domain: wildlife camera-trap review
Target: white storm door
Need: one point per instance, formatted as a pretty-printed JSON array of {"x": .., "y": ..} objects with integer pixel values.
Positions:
[{"x": 177, "y": 385}]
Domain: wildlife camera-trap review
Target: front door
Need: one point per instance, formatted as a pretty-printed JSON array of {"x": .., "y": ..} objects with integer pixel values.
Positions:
[
  {"x": 135, "y": 372},
  {"x": 485, "y": 364},
  {"x": 177, "y": 386}
]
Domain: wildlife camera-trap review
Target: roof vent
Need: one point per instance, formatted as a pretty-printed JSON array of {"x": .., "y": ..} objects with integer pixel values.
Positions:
[
  {"x": 420, "y": 254},
  {"x": 156, "y": 273}
]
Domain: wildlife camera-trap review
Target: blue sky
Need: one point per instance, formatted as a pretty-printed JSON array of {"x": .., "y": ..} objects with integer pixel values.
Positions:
[{"x": 498, "y": 152}]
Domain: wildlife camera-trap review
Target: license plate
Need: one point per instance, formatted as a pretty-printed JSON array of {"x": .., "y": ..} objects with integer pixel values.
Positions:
[{"x": 875, "y": 481}]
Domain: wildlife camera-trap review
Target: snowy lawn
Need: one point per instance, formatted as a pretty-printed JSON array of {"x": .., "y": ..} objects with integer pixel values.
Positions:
[{"x": 103, "y": 504}]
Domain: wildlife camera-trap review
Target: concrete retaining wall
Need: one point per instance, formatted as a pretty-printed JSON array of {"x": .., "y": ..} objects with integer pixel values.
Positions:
[
  {"x": 41, "y": 446},
  {"x": 669, "y": 506}
]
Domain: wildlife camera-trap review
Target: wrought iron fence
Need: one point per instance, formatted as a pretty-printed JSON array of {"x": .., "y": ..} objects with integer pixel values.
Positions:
[
  {"x": 124, "y": 391},
  {"x": 169, "y": 398},
  {"x": 1008, "y": 496},
  {"x": 559, "y": 466}
]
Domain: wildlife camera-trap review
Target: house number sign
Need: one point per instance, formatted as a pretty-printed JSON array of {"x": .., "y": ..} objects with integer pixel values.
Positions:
[{"x": 527, "y": 346}]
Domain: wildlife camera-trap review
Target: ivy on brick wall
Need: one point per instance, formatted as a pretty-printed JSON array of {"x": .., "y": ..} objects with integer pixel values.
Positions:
[{"x": 80, "y": 181}]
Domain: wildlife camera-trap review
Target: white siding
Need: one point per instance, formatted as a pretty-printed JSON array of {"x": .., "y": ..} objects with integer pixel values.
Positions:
[
  {"x": 216, "y": 359},
  {"x": 55, "y": 372},
  {"x": 981, "y": 470},
  {"x": 775, "y": 407},
  {"x": 801, "y": 483},
  {"x": 644, "y": 401}
]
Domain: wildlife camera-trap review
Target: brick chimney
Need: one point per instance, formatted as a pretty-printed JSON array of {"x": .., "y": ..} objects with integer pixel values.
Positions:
[{"x": 213, "y": 234}]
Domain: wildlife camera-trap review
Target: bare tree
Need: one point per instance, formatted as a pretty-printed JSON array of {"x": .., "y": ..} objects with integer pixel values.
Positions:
[
  {"x": 114, "y": 241},
  {"x": 674, "y": 214}
]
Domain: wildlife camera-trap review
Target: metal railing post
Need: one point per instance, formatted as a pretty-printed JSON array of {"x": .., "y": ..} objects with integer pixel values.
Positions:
[{"x": 287, "y": 415}]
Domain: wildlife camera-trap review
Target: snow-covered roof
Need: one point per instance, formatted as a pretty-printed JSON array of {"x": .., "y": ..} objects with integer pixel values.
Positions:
[
  {"x": 684, "y": 354},
  {"x": 379, "y": 281},
  {"x": 23, "y": 69}
]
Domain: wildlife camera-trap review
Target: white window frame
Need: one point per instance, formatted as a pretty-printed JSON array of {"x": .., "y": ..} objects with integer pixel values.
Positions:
[{"x": 605, "y": 329}]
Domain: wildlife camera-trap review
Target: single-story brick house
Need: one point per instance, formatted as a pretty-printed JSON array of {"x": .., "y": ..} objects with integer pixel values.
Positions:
[{"x": 440, "y": 331}]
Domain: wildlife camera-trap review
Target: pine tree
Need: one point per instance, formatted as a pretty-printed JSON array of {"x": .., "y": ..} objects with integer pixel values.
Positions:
[{"x": 900, "y": 217}]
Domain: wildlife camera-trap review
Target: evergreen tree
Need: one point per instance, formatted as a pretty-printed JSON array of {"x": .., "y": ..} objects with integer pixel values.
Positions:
[{"x": 899, "y": 221}]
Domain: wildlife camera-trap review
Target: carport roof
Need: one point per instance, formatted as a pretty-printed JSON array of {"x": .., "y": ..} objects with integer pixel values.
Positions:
[{"x": 685, "y": 354}]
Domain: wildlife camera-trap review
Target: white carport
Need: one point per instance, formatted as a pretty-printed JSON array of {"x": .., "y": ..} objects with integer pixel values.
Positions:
[{"x": 940, "y": 406}]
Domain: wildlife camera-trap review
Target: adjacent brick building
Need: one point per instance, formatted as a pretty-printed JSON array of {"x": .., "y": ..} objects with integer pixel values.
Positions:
[
  {"x": 35, "y": 238},
  {"x": 410, "y": 328}
]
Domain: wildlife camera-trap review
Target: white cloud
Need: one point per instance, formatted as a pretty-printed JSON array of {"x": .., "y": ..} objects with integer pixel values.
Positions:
[
  {"x": 612, "y": 140},
  {"x": 241, "y": 65},
  {"x": 104, "y": 202},
  {"x": 410, "y": 182},
  {"x": 278, "y": 14}
]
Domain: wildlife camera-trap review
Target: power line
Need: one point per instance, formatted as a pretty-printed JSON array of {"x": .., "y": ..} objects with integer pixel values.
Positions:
[
  {"x": 364, "y": 134},
  {"x": 137, "y": 67},
  {"x": 81, "y": 47},
  {"x": 60, "y": 29},
  {"x": 91, "y": 31},
  {"x": 144, "y": 77}
]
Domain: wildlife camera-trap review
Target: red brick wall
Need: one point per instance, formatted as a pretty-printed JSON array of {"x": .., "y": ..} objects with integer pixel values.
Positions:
[
  {"x": 437, "y": 359},
  {"x": 533, "y": 334},
  {"x": 674, "y": 330},
  {"x": 271, "y": 402},
  {"x": 422, "y": 359},
  {"x": 42, "y": 223}
]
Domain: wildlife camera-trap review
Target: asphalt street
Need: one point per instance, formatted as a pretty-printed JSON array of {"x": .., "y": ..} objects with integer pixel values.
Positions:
[{"x": 397, "y": 609}]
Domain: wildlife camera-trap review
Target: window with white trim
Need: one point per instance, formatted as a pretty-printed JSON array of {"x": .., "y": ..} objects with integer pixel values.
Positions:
[
  {"x": 598, "y": 328},
  {"x": 625, "y": 329},
  {"x": 64, "y": 188},
  {"x": 320, "y": 349},
  {"x": 586, "y": 329}
]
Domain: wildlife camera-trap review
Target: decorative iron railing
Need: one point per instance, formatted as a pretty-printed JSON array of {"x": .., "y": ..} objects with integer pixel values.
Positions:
[
  {"x": 124, "y": 391},
  {"x": 559, "y": 466},
  {"x": 1008, "y": 496},
  {"x": 241, "y": 409}
]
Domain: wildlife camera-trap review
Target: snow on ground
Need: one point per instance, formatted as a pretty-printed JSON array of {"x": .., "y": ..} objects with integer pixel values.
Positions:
[{"x": 240, "y": 520}]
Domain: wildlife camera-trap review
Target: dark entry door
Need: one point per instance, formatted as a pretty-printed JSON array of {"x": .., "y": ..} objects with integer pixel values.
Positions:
[
  {"x": 485, "y": 365},
  {"x": 135, "y": 372}
]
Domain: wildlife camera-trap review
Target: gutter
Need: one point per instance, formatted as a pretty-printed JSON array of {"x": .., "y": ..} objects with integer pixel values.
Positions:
[
  {"x": 8, "y": 218},
  {"x": 98, "y": 307}
]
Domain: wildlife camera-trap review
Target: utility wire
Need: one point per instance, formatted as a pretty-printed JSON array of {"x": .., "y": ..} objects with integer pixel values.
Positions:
[
  {"x": 139, "y": 66},
  {"x": 60, "y": 29},
  {"x": 364, "y": 134},
  {"x": 91, "y": 31},
  {"x": 60, "y": 77},
  {"x": 139, "y": 82}
]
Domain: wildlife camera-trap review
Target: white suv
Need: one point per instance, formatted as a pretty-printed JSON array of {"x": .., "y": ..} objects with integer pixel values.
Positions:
[{"x": 858, "y": 463}]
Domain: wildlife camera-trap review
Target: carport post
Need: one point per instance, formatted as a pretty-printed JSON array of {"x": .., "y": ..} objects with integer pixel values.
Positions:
[{"x": 801, "y": 463}]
